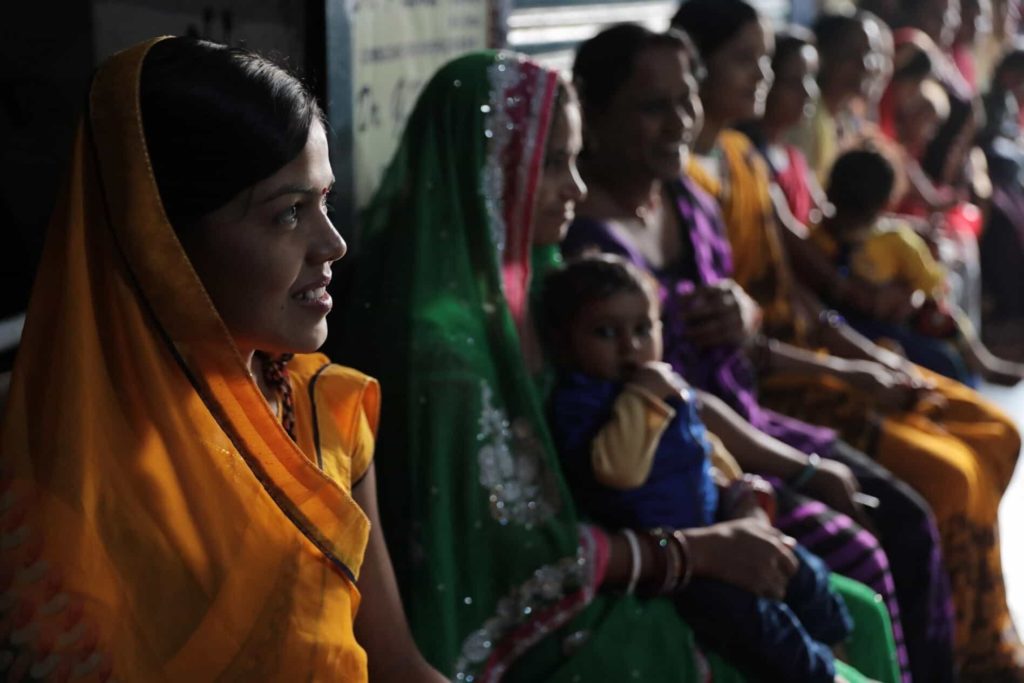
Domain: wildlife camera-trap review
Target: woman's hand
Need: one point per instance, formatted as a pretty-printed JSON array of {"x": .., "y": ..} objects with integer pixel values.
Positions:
[
  {"x": 834, "y": 484},
  {"x": 720, "y": 315},
  {"x": 747, "y": 553},
  {"x": 659, "y": 379},
  {"x": 892, "y": 391}
]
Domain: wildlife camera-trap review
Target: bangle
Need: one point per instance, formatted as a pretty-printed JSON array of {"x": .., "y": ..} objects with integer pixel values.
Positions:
[
  {"x": 685, "y": 557},
  {"x": 635, "y": 560},
  {"x": 803, "y": 476},
  {"x": 673, "y": 560},
  {"x": 764, "y": 493},
  {"x": 831, "y": 318}
]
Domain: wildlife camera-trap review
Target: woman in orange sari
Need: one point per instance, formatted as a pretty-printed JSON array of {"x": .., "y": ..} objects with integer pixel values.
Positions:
[
  {"x": 954, "y": 447},
  {"x": 180, "y": 502}
]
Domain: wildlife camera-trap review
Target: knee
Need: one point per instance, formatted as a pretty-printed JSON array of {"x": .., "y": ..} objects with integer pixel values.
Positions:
[{"x": 958, "y": 482}]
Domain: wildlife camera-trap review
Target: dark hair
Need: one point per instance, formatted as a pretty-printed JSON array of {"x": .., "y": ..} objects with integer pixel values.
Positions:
[
  {"x": 217, "y": 120},
  {"x": 861, "y": 183},
  {"x": 833, "y": 31},
  {"x": 1001, "y": 111},
  {"x": 914, "y": 63},
  {"x": 606, "y": 61},
  {"x": 790, "y": 41},
  {"x": 896, "y": 14},
  {"x": 1012, "y": 60},
  {"x": 584, "y": 280},
  {"x": 962, "y": 113},
  {"x": 712, "y": 23},
  {"x": 890, "y": 12}
]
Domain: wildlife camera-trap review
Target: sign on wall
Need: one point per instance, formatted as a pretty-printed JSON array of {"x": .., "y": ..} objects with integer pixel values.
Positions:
[{"x": 395, "y": 47}]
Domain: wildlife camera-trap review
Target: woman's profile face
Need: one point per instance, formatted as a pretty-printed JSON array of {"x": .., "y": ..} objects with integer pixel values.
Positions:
[
  {"x": 794, "y": 89},
  {"x": 855, "y": 62},
  {"x": 265, "y": 257},
  {"x": 560, "y": 184},
  {"x": 917, "y": 118},
  {"x": 739, "y": 76},
  {"x": 652, "y": 119}
]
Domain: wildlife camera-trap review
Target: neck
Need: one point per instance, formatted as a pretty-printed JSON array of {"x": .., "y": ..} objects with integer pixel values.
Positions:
[
  {"x": 629, "y": 194},
  {"x": 708, "y": 136},
  {"x": 255, "y": 366},
  {"x": 832, "y": 97},
  {"x": 771, "y": 133},
  {"x": 843, "y": 228}
]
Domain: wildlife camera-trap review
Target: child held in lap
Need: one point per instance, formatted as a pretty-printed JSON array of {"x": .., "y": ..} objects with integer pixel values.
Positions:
[
  {"x": 637, "y": 456},
  {"x": 885, "y": 252}
]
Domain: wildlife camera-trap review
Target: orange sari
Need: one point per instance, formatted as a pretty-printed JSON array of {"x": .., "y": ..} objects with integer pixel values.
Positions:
[
  {"x": 158, "y": 524},
  {"x": 743, "y": 194}
]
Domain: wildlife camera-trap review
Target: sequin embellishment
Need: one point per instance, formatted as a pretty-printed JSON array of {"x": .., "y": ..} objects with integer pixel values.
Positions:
[
  {"x": 543, "y": 603},
  {"x": 512, "y": 468}
]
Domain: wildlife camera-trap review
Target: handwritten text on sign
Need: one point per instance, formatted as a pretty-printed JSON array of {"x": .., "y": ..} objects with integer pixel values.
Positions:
[{"x": 397, "y": 45}]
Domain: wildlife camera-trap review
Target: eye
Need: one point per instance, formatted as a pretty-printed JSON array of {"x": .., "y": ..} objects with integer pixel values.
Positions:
[
  {"x": 643, "y": 329},
  {"x": 289, "y": 216},
  {"x": 655, "y": 106},
  {"x": 604, "y": 332},
  {"x": 327, "y": 200},
  {"x": 555, "y": 160}
]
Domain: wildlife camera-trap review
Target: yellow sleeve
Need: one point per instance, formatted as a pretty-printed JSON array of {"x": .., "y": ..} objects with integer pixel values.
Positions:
[
  {"x": 900, "y": 254},
  {"x": 345, "y": 410},
  {"x": 922, "y": 270},
  {"x": 364, "y": 441},
  {"x": 623, "y": 451},
  {"x": 723, "y": 460}
]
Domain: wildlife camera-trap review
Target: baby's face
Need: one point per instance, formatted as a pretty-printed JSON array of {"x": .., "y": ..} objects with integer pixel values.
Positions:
[
  {"x": 611, "y": 338},
  {"x": 923, "y": 122}
]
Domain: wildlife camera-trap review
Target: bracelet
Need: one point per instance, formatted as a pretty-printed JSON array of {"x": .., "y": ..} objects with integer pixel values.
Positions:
[
  {"x": 764, "y": 492},
  {"x": 685, "y": 557},
  {"x": 803, "y": 476},
  {"x": 635, "y": 560},
  {"x": 831, "y": 318},
  {"x": 672, "y": 560}
]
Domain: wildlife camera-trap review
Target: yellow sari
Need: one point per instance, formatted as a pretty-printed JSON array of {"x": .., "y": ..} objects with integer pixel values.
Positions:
[
  {"x": 959, "y": 458},
  {"x": 158, "y": 524}
]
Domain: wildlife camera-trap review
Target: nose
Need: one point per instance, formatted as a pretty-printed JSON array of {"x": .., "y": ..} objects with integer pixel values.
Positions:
[
  {"x": 810, "y": 90},
  {"x": 764, "y": 68},
  {"x": 574, "y": 190},
  {"x": 628, "y": 344},
  {"x": 682, "y": 121},
  {"x": 696, "y": 111},
  {"x": 329, "y": 245}
]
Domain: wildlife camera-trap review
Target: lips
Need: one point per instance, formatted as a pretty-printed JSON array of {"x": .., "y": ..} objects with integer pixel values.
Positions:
[
  {"x": 313, "y": 292},
  {"x": 310, "y": 295}
]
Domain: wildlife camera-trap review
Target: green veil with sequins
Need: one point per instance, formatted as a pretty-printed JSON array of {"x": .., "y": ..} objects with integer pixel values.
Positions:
[{"x": 497, "y": 577}]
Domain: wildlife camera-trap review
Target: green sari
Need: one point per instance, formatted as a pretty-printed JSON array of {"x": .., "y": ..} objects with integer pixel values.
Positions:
[{"x": 498, "y": 577}]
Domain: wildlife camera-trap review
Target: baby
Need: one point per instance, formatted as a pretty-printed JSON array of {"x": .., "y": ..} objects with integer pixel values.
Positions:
[
  {"x": 884, "y": 252},
  {"x": 636, "y": 456}
]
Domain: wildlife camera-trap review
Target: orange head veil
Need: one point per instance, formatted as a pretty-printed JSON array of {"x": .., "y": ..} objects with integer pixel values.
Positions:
[{"x": 157, "y": 521}]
